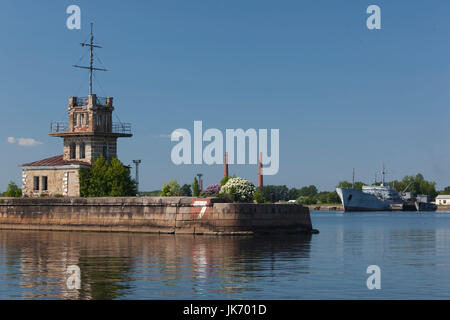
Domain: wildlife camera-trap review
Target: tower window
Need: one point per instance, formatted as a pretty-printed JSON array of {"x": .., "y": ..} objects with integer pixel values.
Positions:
[
  {"x": 105, "y": 151},
  {"x": 36, "y": 183},
  {"x": 82, "y": 150},
  {"x": 75, "y": 119},
  {"x": 87, "y": 119},
  {"x": 73, "y": 149},
  {"x": 44, "y": 183},
  {"x": 81, "y": 119},
  {"x": 100, "y": 121}
]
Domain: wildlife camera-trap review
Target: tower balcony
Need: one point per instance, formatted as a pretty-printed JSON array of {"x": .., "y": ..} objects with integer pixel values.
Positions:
[
  {"x": 117, "y": 129},
  {"x": 91, "y": 101}
]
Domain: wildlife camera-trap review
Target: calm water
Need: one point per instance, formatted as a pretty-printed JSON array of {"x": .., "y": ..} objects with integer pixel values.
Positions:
[{"x": 412, "y": 250}]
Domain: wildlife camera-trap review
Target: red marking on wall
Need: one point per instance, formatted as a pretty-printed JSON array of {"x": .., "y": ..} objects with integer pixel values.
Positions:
[{"x": 200, "y": 207}]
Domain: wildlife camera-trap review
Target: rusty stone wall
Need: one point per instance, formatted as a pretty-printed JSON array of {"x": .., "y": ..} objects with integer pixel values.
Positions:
[{"x": 182, "y": 215}]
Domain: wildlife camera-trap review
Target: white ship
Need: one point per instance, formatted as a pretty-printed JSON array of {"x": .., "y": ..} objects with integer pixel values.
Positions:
[
  {"x": 370, "y": 198},
  {"x": 382, "y": 198}
]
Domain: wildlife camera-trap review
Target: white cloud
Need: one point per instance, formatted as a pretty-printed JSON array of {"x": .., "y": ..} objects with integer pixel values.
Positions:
[
  {"x": 24, "y": 142},
  {"x": 175, "y": 134}
]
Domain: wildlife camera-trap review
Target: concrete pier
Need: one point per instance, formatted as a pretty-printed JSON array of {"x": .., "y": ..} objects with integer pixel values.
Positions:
[{"x": 179, "y": 215}]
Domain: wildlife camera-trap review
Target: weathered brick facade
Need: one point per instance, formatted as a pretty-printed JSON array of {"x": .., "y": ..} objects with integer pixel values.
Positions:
[{"x": 60, "y": 182}]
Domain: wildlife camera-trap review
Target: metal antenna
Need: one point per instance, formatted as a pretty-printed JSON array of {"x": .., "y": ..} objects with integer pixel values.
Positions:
[
  {"x": 353, "y": 179},
  {"x": 91, "y": 67}
]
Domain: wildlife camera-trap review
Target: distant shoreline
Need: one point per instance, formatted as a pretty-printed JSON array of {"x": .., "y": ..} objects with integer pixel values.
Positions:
[{"x": 335, "y": 207}]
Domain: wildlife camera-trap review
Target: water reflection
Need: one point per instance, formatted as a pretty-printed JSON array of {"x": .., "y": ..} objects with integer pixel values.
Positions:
[{"x": 119, "y": 265}]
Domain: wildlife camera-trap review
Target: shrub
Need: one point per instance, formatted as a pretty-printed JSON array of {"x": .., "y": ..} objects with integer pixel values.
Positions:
[
  {"x": 13, "y": 190},
  {"x": 186, "y": 190},
  {"x": 240, "y": 189},
  {"x": 258, "y": 197},
  {"x": 212, "y": 190},
  {"x": 195, "y": 188},
  {"x": 171, "y": 189},
  {"x": 224, "y": 180}
]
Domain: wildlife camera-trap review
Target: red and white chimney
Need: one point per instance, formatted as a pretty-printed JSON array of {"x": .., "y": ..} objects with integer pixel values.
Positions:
[{"x": 260, "y": 176}]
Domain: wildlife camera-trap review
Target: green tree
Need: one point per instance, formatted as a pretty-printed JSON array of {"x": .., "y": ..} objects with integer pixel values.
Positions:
[
  {"x": 186, "y": 190},
  {"x": 322, "y": 197},
  {"x": 258, "y": 196},
  {"x": 445, "y": 191},
  {"x": 333, "y": 197},
  {"x": 416, "y": 184},
  {"x": 195, "y": 188},
  {"x": 120, "y": 182},
  {"x": 308, "y": 191},
  {"x": 306, "y": 200},
  {"x": 107, "y": 179},
  {"x": 345, "y": 184},
  {"x": 13, "y": 190},
  {"x": 171, "y": 189},
  {"x": 293, "y": 193},
  {"x": 275, "y": 193}
]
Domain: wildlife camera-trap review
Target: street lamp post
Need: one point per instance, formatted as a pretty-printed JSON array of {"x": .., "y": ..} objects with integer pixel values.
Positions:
[
  {"x": 136, "y": 163},
  {"x": 200, "y": 181}
]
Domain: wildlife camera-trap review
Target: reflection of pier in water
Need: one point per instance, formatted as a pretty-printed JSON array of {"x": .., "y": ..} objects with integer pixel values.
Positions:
[{"x": 113, "y": 264}]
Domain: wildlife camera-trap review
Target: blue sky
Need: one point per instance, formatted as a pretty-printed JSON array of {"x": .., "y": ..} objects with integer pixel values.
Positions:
[{"x": 342, "y": 96}]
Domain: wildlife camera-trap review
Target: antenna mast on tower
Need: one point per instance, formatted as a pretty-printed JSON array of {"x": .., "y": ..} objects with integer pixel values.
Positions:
[{"x": 91, "y": 67}]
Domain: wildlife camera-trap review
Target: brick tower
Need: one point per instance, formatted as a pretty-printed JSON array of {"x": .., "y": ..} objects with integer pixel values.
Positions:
[{"x": 89, "y": 134}]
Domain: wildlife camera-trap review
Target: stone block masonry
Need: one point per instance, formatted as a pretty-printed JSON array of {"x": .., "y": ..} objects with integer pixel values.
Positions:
[{"x": 173, "y": 215}]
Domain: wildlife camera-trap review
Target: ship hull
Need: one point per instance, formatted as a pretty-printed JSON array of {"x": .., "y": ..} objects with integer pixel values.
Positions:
[
  {"x": 356, "y": 200},
  {"x": 423, "y": 206}
]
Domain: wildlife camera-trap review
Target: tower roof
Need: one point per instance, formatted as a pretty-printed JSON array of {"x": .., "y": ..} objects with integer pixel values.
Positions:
[{"x": 54, "y": 161}]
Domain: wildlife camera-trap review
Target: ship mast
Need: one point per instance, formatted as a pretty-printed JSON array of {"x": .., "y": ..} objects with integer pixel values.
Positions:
[
  {"x": 383, "y": 172},
  {"x": 353, "y": 179},
  {"x": 91, "y": 67}
]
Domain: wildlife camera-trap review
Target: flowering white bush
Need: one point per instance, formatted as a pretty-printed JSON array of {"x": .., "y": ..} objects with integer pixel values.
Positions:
[{"x": 241, "y": 189}]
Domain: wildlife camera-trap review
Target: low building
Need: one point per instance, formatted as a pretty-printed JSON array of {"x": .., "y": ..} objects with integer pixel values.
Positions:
[{"x": 443, "y": 200}]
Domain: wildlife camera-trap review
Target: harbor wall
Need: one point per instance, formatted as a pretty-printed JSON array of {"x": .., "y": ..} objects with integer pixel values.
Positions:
[
  {"x": 152, "y": 214},
  {"x": 443, "y": 208},
  {"x": 322, "y": 207}
]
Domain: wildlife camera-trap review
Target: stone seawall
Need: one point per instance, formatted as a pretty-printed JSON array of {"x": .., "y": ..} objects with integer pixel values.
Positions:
[
  {"x": 322, "y": 207},
  {"x": 153, "y": 214}
]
